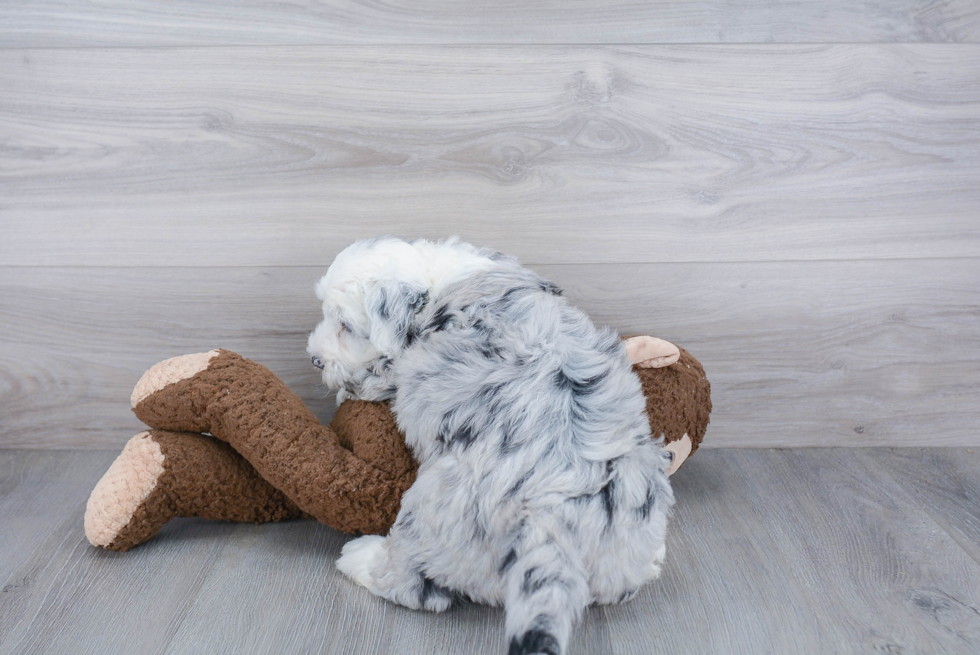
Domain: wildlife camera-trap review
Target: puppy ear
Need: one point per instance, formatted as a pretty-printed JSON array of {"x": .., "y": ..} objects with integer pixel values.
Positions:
[{"x": 391, "y": 307}]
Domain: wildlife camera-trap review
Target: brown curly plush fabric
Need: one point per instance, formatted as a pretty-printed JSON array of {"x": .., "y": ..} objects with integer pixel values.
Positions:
[
  {"x": 245, "y": 404},
  {"x": 201, "y": 477},
  {"x": 678, "y": 399}
]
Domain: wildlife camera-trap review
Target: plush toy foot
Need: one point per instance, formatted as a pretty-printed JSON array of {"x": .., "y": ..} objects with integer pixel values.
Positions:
[
  {"x": 167, "y": 385},
  {"x": 244, "y": 404},
  {"x": 120, "y": 512},
  {"x": 651, "y": 352},
  {"x": 161, "y": 475},
  {"x": 170, "y": 371}
]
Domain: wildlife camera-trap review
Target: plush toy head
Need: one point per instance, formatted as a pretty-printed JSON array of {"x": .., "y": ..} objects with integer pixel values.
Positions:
[{"x": 677, "y": 392}]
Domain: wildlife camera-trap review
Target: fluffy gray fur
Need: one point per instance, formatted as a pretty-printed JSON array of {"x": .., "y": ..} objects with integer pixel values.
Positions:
[{"x": 539, "y": 485}]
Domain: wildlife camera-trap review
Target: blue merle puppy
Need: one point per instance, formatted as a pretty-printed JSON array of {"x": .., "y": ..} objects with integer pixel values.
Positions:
[{"x": 539, "y": 485}]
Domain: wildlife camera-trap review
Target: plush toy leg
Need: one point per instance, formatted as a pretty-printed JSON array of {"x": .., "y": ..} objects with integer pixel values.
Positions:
[
  {"x": 369, "y": 431},
  {"x": 245, "y": 404},
  {"x": 161, "y": 475}
]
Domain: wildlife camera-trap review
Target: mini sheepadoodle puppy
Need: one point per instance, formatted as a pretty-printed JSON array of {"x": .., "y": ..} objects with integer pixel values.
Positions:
[{"x": 539, "y": 487}]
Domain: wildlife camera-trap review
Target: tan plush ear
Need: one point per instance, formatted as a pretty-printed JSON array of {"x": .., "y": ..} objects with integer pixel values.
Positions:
[
  {"x": 680, "y": 449},
  {"x": 651, "y": 352}
]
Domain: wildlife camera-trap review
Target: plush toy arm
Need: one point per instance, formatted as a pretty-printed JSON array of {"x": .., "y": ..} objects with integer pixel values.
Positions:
[{"x": 245, "y": 404}]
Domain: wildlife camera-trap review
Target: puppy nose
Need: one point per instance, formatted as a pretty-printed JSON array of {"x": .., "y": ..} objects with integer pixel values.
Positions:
[{"x": 317, "y": 362}]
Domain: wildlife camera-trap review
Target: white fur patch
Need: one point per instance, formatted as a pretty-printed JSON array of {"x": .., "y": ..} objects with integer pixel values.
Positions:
[
  {"x": 169, "y": 371},
  {"x": 350, "y": 338},
  {"x": 360, "y": 556},
  {"x": 658, "y": 560}
]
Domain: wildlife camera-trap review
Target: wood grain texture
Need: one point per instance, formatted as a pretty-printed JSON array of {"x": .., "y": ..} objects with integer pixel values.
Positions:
[
  {"x": 799, "y": 353},
  {"x": 56, "y": 23},
  {"x": 563, "y": 154},
  {"x": 946, "y": 484},
  {"x": 802, "y": 551},
  {"x": 52, "y": 578}
]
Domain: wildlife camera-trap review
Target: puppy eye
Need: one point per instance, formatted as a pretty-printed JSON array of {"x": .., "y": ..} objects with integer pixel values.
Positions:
[{"x": 344, "y": 327}]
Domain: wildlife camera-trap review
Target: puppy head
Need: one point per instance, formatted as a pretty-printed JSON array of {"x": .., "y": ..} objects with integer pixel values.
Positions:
[{"x": 370, "y": 294}]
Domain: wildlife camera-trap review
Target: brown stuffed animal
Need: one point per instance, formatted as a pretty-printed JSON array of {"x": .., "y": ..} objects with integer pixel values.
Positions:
[{"x": 268, "y": 458}]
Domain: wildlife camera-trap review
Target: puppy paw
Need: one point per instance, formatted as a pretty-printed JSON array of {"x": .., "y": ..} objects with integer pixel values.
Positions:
[
  {"x": 656, "y": 566},
  {"x": 361, "y": 557},
  {"x": 434, "y": 598}
]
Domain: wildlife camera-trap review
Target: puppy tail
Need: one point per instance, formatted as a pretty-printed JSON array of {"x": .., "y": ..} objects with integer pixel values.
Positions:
[{"x": 546, "y": 591}]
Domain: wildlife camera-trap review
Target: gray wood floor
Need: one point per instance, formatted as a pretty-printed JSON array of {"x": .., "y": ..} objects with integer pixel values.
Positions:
[{"x": 770, "y": 551}]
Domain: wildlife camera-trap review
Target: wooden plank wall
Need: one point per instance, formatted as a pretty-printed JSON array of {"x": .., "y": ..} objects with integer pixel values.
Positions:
[{"x": 791, "y": 191}]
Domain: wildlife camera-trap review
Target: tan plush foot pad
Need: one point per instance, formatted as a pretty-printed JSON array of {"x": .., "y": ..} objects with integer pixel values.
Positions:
[
  {"x": 169, "y": 372},
  {"x": 123, "y": 492},
  {"x": 161, "y": 475},
  {"x": 245, "y": 404}
]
